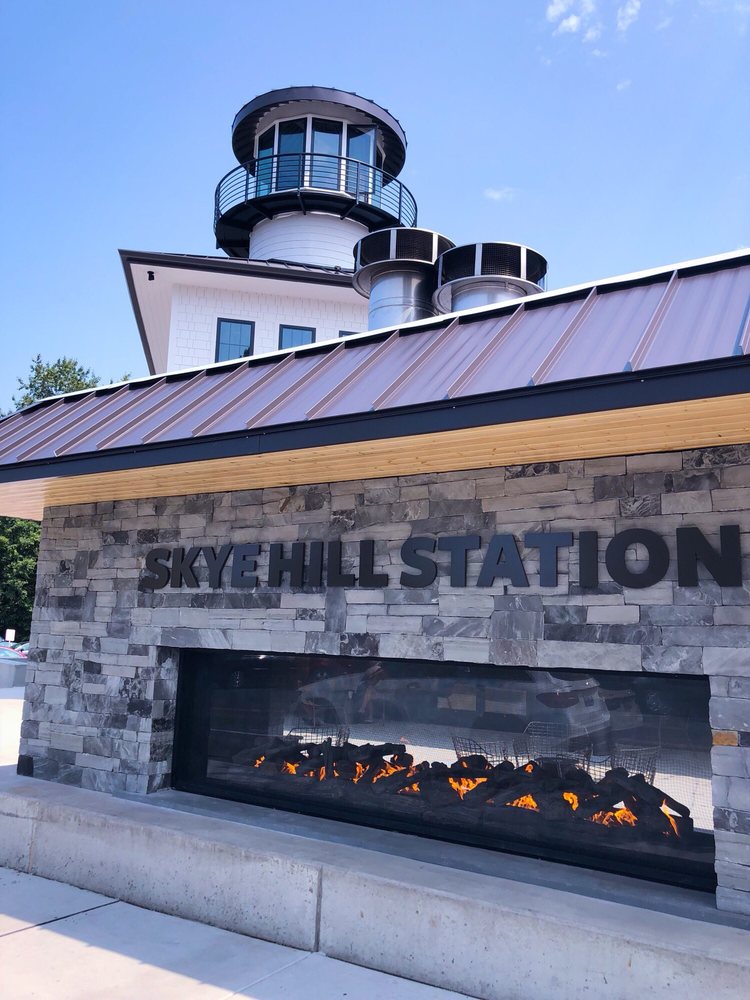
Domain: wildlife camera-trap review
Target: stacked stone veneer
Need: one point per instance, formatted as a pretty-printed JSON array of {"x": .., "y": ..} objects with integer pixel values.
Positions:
[{"x": 100, "y": 698}]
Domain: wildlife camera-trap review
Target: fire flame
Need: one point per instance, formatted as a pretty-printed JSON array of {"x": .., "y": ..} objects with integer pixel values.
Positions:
[
  {"x": 259, "y": 761},
  {"x": 615, "y": 817},
  {"x": 672, "y": 821},
  {"x": 571, "y": 798},
  {"x": 524, "y": 802},
  {"x": 464, "y": 785},
  {"x": 410, "y": 789},
  {"x": 288, "y": 768}
]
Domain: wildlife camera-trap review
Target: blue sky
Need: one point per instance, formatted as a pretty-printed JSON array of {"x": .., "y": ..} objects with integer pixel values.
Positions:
[{"x": 611, "y": 136}]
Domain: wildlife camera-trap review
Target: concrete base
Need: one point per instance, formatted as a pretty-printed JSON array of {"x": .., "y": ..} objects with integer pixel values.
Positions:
[{"x": 491, "y": 937}]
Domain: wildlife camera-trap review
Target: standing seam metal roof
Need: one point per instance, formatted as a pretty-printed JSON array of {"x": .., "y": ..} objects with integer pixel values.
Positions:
[{"x": 688, "y": 314}]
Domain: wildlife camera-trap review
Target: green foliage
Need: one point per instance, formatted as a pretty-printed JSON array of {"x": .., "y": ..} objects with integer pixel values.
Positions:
[
  {"x": 63, "y": 375},
  {"x": 19, "y": 546},
  {"x": 19, "y": 540}
]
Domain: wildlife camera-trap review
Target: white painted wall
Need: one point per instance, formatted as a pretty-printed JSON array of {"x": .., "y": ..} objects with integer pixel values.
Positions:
[
  {"x": 309, "y": 239},
  {"x": 196, "y": 308}
]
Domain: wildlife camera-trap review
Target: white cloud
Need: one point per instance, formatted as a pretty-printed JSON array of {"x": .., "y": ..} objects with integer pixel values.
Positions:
[
  {"x": 627, "y": 14},
  {"x": 557, "y": 8},
  {"x": 599, "y": 53},
  {"x": 623, "y": 85},
  {"x": 664, "y": 23},
  {"x": 499, "y": 194},
  {"x": 569, "y": 25},
  {"x": 593, "y": 33}
]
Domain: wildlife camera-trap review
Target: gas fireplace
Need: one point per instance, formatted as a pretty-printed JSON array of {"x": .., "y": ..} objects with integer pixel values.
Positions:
[{"x": 601, "y": 769}]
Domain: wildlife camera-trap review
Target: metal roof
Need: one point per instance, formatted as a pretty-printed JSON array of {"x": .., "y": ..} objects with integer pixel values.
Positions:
[{"x": 689, "y": 313}]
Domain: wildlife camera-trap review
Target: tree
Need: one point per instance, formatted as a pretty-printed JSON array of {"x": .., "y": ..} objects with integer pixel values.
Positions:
[
  {"x": 19, "y": 548},
  {"x": 63, "y": 375},
  {"x": 19, "y": 539}
]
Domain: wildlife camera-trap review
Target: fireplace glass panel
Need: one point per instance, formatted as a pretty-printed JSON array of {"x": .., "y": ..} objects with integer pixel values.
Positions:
[{"x": 602, "y": 769}]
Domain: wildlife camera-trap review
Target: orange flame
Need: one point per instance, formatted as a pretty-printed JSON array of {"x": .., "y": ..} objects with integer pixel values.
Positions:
[
  {"x": 615, "y": 817},
  {"x": 259, "y": 761},
  {"x": 385, "y": 770},
  {"x": 672, "y": 821},
  {"x": 524, "y": 802},
  {"x": 360, "y": 772},
  {"x": 288, "y": 768},
  {"x": 410, "y": 789},
  {"x": 464, "y": 785},
  {"x": 529, "y": 767},
  {"x": 571, "y": 798}
]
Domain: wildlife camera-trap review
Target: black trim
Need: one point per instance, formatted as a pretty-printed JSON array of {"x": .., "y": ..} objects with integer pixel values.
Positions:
[
  {"x": 244, "y": 322},
  {"x": 294, "y": 326},
  {"x": 137, "y": 312},
  {"x": 249, "y": 117},
  {"x": 621, "y": 390}
]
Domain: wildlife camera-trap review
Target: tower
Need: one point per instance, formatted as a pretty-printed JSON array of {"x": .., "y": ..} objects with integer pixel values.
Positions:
[{"x": 317, "y": 171}]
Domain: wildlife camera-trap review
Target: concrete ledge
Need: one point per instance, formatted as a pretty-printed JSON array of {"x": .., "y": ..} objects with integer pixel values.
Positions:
[{"x": 491, "y": 937}]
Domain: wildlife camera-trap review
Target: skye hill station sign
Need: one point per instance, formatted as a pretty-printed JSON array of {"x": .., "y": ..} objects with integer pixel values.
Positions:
[{"x": 318, "y": 563}]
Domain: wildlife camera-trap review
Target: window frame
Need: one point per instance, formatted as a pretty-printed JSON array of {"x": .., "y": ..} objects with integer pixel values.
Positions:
[
  {"x": 295, "y": 326},
  {"x": 229, "y": 319},
  {"x": 348, "y": 333}
]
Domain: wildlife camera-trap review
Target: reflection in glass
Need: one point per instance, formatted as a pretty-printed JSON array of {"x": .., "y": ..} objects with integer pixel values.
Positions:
[
  {"x": 360, "y": 146},
  {"x": 608, "y": 770},
  {"x": 290, "y": 170},
  {"x": 234, "y": 339},
  {"x": 264, "y": 166},
  {"x": 326, "y": 139},
  {"x": 295, "y": 336}
]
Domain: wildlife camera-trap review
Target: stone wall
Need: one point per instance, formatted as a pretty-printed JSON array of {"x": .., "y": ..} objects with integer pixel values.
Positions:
[{"x": 101, "y": 690}]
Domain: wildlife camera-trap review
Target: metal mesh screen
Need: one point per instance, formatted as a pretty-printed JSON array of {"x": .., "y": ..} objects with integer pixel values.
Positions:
[
  {"x": 374, "y": 248},
  {"x": 501, "y": 258},
  {"x": 458, "y": 263},
  {"x": 414, "y": 245}
]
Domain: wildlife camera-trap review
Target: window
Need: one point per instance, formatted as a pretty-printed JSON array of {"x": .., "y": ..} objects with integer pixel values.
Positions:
[
  {"x": 295, "y": 336},
  {"x": 264, "y": 167},
  {"x": 234, "y": 339},
  {"x": 326, "y": 140},
  {"x": 347, "y": 333},
  {"x": 291, "y": 151}
]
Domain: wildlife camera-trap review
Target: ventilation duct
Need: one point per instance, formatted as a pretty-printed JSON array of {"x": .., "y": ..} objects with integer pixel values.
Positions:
[
  {"x": 480, "y": 274},
  {"x": 395, "y": 270}
]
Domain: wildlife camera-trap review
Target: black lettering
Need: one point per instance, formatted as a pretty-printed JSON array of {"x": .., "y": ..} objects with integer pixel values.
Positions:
[
  {"x": 315, "y": 565},
  {"x": 459, "y": 546},
  {"x": 216, "y": 561},
  {"x": 279, "y": 564},
  {"x": 334, "y": 576},
  {"x": 426, "y": 566},
  {"x": 502, "y": 560},
  {"x": 182, "y": 567},
  {"x": 548, "y": 542},
  {"x": 367, "y": 575},
  {"x": 725, "y": 566},
  {"x": 244, "y": 563},
  {"x": 588, "y": 559},
  {"x": 157, "y": 562},
  {"x": 658, "y": 558}
]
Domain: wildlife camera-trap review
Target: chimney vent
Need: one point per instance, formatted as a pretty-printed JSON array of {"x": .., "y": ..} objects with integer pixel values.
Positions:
[
  {"x": 480, "y": 274},
  {"x": 395, "y": 270}
]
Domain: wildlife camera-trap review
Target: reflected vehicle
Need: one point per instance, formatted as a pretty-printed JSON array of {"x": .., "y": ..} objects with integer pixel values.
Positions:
[
  {"x": 625, "y": 714},
  {"x": 502, "y": 699},
  {"x": 8, "y": 653}
]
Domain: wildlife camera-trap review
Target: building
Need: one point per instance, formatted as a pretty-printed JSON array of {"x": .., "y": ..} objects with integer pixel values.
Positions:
[{"x": 475, "y": 575}]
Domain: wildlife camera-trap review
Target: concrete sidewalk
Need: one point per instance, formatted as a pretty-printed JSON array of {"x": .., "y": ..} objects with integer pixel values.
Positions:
[{"x": 62, "y": 943}]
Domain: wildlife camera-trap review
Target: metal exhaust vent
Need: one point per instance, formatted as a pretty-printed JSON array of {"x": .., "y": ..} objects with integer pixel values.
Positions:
[
  {"x": 395, "y": 270},
  {"x": 479, "y": 274}
]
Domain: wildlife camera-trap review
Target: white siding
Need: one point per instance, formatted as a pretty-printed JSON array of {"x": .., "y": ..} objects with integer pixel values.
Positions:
[
  {"x": 195, "y": 310},
  {"x": 325, "y": 240}
]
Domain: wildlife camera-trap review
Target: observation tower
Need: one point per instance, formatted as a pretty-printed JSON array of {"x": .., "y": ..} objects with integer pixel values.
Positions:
[{"x": 318, "y": 170}]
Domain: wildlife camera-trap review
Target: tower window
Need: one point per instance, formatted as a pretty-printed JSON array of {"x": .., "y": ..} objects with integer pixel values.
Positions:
[
  {"x": 234, "y": 339},
  {"x": 295, "y": 336}
]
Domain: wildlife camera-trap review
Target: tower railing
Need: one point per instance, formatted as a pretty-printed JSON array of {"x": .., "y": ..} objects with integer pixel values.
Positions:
[{"x": 283, "y": 173}]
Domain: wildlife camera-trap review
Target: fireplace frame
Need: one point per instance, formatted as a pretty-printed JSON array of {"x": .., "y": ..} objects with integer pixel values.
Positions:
[{"x": 186, "y": 776}]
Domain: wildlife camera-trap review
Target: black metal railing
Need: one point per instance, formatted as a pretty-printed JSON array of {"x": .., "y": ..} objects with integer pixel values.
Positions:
[{"x": 289, "y": 172}]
